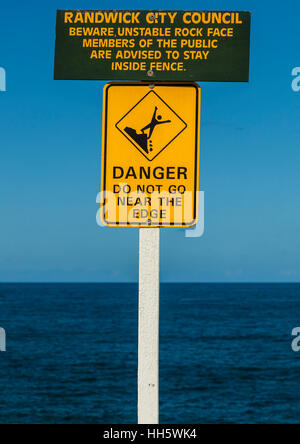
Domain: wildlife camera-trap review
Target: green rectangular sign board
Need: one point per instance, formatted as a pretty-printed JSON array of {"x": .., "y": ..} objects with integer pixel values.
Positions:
[{"x": 157, "y": 45}]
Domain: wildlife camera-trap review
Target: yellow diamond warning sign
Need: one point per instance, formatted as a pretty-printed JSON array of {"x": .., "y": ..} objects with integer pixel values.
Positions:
[
  {"x": 151, "y": 125},
  {"x": 150, "y": 154}
]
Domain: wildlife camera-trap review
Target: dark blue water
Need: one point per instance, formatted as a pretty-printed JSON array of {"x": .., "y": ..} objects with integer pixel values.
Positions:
[{"x": 225, "y": 354}]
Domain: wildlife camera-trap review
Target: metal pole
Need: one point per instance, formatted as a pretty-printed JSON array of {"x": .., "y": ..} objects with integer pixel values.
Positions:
[{"x": 148, "y": 339}]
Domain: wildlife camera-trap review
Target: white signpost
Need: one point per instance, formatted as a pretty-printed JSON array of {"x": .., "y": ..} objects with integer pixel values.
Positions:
[{"x": 148, "y": 339}]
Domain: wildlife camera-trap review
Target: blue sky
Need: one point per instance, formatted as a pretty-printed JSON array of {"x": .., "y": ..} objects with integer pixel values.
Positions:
[{"x": 51, "y": 148}]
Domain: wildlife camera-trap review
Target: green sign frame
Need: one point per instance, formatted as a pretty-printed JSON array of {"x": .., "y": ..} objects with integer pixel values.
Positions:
[{"x": 208, "y": 46}]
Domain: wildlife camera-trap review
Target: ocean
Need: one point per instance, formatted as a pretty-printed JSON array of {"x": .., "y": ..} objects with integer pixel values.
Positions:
[{"x": 225, "y": 353}]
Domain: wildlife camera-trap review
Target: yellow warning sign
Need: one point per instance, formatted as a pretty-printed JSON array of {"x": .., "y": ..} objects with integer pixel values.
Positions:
[{"x": 150, "y": 154}]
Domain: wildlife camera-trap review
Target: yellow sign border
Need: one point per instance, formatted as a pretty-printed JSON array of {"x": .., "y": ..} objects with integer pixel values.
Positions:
[{"x": 197, "y": 155}]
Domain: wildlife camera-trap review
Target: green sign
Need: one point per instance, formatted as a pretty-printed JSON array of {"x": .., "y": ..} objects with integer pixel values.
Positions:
[{"x": 152, "y": 45}]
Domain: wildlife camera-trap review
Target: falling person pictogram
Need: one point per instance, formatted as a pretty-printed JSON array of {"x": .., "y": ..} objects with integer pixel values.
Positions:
[
  {"x": 142, "y": 139},
  {"x": 154, "y": 122}
]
